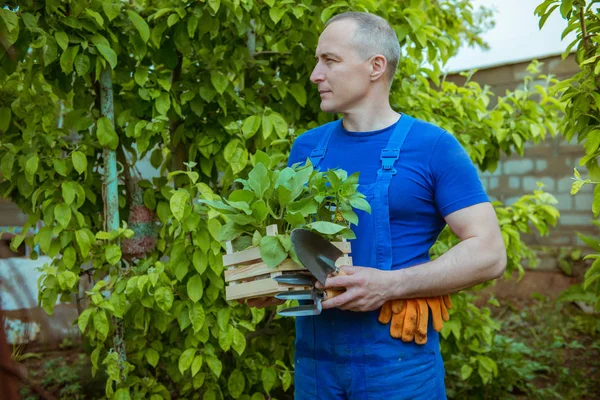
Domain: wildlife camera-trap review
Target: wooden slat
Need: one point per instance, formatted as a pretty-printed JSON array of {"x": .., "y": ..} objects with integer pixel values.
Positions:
[
  {"x": 253, "y": 253},
  {"x": 260, "y": 288},
  {"x": 240, "y": 257},
  {"x": 260, "y": 268},
  {"x": 343, "y": 246}
]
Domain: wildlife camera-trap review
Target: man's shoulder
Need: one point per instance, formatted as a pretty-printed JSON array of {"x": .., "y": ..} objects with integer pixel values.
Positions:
[
  {"x": 313, "y": 135},
  {"x": 429, "y": 131}
]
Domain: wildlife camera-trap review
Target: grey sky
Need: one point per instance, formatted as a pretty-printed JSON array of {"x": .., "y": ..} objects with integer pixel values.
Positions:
[{"x": 516, "y": 36}]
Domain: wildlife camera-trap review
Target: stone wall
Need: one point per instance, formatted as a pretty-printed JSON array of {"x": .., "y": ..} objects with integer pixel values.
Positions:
[{"x": 550, "y": 162}]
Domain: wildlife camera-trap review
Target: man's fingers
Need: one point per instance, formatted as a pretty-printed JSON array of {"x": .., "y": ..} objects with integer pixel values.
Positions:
[
  {"x": 338, "y": 301},
  {"x": 340, "y": 281}
]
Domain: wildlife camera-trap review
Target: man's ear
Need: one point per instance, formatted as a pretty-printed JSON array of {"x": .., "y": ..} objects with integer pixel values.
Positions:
[{"x": 378, "y": 66}]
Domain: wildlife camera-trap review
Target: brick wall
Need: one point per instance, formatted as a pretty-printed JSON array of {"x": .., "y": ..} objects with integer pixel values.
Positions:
[{"x": 550, "y": 162}]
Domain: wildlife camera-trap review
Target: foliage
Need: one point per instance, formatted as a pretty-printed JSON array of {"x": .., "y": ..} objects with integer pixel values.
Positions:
[
  {"x": 543, "y": 349},
  {"x": 580, "y": 98},
  {"x": 200, "y": 88},
  {"x": 289, "y": 198},
  {"x": 59, "y": 376}
]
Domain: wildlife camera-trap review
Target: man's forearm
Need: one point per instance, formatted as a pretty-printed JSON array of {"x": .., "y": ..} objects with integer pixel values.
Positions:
[{"x": 471, "y": 262}]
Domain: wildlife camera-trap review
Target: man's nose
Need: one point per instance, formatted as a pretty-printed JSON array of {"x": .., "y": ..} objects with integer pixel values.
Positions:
[{"x": 317, "y": 74}]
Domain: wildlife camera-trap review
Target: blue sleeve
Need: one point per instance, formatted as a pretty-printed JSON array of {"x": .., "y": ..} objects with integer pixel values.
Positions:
[
  {"x": 300, "y": 151},
  {"x": 456, "y": 182}
]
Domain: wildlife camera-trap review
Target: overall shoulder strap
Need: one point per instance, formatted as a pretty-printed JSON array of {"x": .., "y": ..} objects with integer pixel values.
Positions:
[
  {"x": 391, "y": 152},
  {"x": 318, "y": 153}
]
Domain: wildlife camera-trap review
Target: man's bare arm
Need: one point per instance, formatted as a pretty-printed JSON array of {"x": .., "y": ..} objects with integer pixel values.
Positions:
[{"x": 480, "y": 256}]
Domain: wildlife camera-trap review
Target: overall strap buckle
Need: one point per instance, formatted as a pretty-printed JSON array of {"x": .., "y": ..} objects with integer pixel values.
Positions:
[{"x": 388, "y": 159}]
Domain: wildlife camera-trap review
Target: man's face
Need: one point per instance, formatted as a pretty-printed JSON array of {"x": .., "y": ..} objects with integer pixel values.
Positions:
[{"x": 341, "y": 75}]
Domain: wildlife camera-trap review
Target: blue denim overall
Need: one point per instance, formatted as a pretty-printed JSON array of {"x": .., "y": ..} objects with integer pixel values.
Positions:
[{"x": 351, "y": 355}]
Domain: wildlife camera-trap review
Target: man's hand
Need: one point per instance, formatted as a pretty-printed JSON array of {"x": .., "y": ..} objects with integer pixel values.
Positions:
[
  {"x": 366, "y": 289},
  {"x": 262, "y": 302}
]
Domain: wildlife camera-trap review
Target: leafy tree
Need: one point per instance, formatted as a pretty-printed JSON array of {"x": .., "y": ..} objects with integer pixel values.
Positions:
[
  {"x": 580, "y": 98},
  {"x": 199, "y": 89}
]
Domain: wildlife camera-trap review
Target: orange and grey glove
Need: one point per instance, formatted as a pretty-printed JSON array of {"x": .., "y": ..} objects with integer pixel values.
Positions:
[{"x": 409, "y": 318}]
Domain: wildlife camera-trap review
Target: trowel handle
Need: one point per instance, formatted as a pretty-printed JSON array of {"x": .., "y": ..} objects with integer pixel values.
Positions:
[{"x": 331, "y": 293}]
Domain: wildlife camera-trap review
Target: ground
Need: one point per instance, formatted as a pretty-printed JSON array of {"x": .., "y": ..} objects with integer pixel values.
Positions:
[{"x": 559, "y": 337}]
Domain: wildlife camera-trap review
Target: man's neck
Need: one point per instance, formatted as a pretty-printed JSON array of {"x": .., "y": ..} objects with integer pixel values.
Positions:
[{"x": 366, "y": 119}]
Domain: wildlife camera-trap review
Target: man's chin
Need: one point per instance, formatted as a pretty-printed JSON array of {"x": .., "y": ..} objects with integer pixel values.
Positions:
[{"x": 329, "y": 108}]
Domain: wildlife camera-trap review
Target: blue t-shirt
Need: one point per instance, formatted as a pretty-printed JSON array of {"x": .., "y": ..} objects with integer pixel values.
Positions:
[{"x": 435, "y": 177}]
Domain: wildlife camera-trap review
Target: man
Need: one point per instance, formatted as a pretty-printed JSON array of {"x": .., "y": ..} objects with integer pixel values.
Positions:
[{"x": 417, "y": 179}]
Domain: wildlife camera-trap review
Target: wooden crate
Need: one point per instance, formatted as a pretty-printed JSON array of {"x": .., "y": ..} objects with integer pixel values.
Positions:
[{"x": 247, "y": 276}]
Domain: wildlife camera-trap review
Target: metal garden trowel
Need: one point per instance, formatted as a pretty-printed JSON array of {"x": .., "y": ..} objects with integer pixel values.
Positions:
[{"x": 318, "y": 255}]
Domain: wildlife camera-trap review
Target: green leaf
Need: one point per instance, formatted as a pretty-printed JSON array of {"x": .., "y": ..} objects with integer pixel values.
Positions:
[
  {"x": 214, "y": 4},
  {"x": 164, "y": 298},
  {"x": 239, "y": 341},
  {"x": 122, "y": 394},
  {"x": 152, "y": 356},
  {"x": 113, "y": 254},
  {"x": 62, "y": 213},
  {"x": 360, "y": 204},
  {"x": 271, "y": 251},
  {"x": 223, "y": 318},
  {"x": 79, "y": 161},
  {"x": 32, "y": 164},
  {"x": 178, "y": 202},
  {"x": 6, "y": 165},
  {"x": 299, "y": 93},
  {"x": 62, "y": 39},
  {"x": 326, "y": 228},
  {"x": 251, "y": 126},
  {"x": 565, "y": 7},
  {"x": 84, "y": 317},
  {"x": 106, "y": 133},
  {"x": 45, "y": 238},
  {"x": 268, "y": 377},
  {"x": 83, "y": 240},
  {"x": 258, "y": 180},
  {"x": 596, "y": 201},
  {"x": 69, "y": 257},
  {"x": 67, "y": 58},
  {"x": 101, "y": 324},
  {"x": 163, "y": 103},
  {"x": 577, "y": 185},
  {"x": 281, "y": 127},
  {"x": 68, "y": 192},
  {"x": 5, "y": 115},
  {"x": 219, "y": 81},
  {"x": 10, "y": 19},
  {"x": 286, "y": 380},
  {"x": 141, "y": 75},
  {"x": 197, "y": 317},
  {"x": 185, "y": 360},
  {"x": 215, "y": 365},
  {"x": 267, "y": 126},
  {"x": 236, "y": 383},
  {"x": 276, "y": 14},
  {"x": 112, "y": 8},
  {"x": 195, "y": 288},
  {"x": 95, "y": 16},
  {"x": 108, "y": 54},
  {"x": 200, "y": 261},
  {"x": 82, "y": 64},
  {"x": 140, "y": 25},
  {"x": 465, "y": 372},
  {"x": 236, "y": 155},
  {"x": 67, "y": 280},
  {"x": 196, "y": 364}
]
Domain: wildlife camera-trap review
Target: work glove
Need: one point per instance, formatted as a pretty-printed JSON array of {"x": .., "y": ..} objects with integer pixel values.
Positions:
[{"x": 409, "y": 318}]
